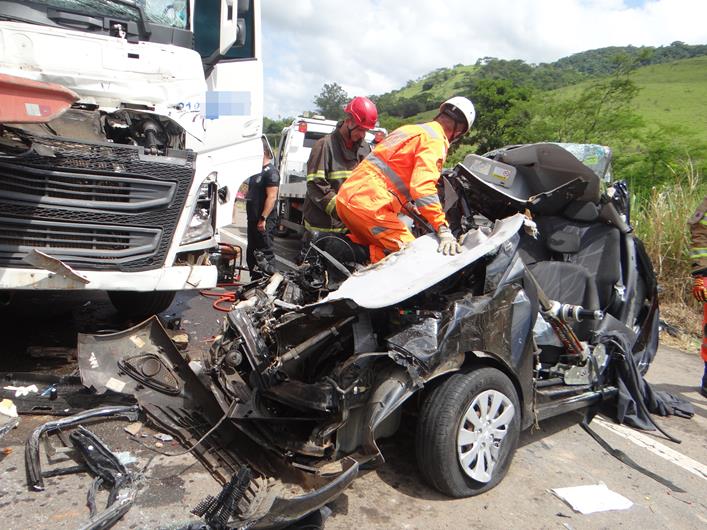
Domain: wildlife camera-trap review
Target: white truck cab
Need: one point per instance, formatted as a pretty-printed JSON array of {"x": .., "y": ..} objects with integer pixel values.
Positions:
[{"x": 126, "y": 191}]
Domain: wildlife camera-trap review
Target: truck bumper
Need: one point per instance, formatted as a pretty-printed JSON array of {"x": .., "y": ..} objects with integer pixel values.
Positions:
[{"x": 164, "y": 279}]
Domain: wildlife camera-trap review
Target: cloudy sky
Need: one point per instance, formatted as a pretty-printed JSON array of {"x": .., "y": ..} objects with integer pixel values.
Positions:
[{"x": 374, "y": 46}]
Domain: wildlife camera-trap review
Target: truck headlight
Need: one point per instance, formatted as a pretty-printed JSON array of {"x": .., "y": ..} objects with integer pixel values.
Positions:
[{"x": 201, "y": 224}]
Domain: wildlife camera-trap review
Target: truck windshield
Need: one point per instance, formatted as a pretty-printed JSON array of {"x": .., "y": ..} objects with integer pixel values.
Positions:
[{"x": 163, "y": 12}]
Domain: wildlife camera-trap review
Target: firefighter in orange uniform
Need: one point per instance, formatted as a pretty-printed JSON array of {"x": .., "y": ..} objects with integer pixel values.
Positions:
[
  {"x": 698, "y": 259},
  {"x": 401, "y": 174}
]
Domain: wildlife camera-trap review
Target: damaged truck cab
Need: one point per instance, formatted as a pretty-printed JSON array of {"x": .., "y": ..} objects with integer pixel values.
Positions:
[{"x": 126, "y": 190}]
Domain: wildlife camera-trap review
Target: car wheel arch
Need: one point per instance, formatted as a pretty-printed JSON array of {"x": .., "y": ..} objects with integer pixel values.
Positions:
[{"x": 477, "y": 359}]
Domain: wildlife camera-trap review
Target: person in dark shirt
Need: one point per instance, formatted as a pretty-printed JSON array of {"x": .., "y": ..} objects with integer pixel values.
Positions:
[{"x": 261, "y": 215}]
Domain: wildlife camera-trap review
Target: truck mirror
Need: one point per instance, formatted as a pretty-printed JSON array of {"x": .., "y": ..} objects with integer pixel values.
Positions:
[
  {"x": 240, "y": 38},
  {"x": 232, "y": 28}
]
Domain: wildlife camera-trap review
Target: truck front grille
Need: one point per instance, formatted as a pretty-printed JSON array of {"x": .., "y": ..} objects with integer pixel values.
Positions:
[
  {"x": 93, "y": 206},
  {"x": 27, "y": 184}
]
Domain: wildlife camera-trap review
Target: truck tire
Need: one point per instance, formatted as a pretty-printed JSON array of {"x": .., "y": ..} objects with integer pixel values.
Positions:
[
  {"x": 467, "y": 432},
  {"x": 141, "y": 304}
]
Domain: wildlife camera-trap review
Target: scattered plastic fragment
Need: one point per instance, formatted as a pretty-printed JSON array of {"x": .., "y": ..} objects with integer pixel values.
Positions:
[
  {"x": 7, "y": 424},
  {"x": 133, "y": 428},
  {"x": 22, "y": 390},
  {"x": 8, "y": 408},
  {"x": 592, "y": 498},
  {"x": 164, "y": 437},
  {"x": 125, "y": 457}
]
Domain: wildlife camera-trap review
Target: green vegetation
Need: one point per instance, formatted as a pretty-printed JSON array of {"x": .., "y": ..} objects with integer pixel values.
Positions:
[
  {"x": 331, "y": 101},
  {"x": 674, "y": 94},
  {"x": 646, "y": 103},
  {"x": 659, "y": 217}
]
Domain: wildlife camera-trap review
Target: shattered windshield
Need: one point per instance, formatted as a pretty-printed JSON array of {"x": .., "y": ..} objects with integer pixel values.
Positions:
[{"x": 164, "y": 12}]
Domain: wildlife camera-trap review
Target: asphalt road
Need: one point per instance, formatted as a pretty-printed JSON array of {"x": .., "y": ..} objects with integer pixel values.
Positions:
[{"x": 560, "y": 454}]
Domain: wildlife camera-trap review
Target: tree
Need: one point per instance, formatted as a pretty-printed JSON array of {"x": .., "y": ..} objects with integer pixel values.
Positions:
[
  {"x": 493, "y": 100},
  {"x": 272, "y": 129},
  {"x": 601, "y": 113},
  {"x": 331, "y": 101}
]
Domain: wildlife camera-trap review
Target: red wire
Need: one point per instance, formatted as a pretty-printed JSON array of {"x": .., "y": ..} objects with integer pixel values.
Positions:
[{"x": 228, "y": 298}]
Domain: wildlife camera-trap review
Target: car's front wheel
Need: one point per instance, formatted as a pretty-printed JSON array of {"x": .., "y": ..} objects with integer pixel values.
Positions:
[{"x": 468, "y": 431}]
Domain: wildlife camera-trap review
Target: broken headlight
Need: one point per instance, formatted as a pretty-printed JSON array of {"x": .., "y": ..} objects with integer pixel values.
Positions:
[{"x": 201, "y": 224}]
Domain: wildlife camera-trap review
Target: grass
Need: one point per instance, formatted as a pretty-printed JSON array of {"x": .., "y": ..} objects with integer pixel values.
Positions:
[
  {"x": 441, "y": 90},
  {"x": 670, "y": 94},
  {"x": 660, "y": 219},
  {"x": 674, "y": 94}
]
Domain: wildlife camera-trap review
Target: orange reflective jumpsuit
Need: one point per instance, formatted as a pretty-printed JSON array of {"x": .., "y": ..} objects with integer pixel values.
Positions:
[{"x": 405, "y": 167}]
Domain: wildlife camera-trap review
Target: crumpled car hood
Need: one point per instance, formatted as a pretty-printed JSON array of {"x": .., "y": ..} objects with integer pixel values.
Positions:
[{"x": 418, "y": 267}]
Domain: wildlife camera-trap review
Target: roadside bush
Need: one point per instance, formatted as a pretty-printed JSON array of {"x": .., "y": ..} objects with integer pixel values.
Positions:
[{"x": 660, "y": 216}]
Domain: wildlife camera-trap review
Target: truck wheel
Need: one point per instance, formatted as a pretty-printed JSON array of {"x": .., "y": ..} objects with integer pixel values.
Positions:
[
  {"x": 141, "y": 304},
  {"x": 467, "y": 432}
]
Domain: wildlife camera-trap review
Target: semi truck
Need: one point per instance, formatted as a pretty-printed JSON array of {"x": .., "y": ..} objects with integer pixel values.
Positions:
[{"x": 126, "y": 190}]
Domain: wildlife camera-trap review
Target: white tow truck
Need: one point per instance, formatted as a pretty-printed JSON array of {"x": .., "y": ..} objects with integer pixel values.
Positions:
[
  {"x": 296, "y": 142},
  {"x": 126, "y": 190}
]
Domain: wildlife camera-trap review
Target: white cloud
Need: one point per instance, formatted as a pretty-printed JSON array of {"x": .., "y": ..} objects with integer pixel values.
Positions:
[{"x": 373, "y": 46}]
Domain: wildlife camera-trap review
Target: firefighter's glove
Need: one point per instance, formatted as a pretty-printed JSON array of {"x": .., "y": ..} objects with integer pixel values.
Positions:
[
  {"x": 448, "y": 244},
  {"x": 699, "y": 289}
]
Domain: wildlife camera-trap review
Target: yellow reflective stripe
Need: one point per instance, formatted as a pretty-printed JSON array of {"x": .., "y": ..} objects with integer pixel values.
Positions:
[
  {"x": 703, "y": 221},
  {"x": 320, "y": 229},
  {"x": 318, "y": 175},
  {"x": 698, "y": 253},
  {"x": 393, "y": 177},
  {"x": 334, "y": 175},
  {"x": 330, "y": 206}
]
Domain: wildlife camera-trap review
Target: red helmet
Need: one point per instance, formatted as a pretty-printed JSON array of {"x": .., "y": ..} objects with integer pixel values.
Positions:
[{"x": 363, "y": 111}]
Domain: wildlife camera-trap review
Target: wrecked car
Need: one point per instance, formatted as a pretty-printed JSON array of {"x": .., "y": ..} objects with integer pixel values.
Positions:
[{"x": 552, "y": 301}]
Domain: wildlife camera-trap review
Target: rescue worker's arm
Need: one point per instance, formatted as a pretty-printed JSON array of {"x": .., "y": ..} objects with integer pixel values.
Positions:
[
  {"x": 268, "y": 206},
  {"x": 423, "y": 182},
  {"x": 698, "y": 252},
  {"x": 271, "y": 181},
  {"x": 319, "y": 189}
]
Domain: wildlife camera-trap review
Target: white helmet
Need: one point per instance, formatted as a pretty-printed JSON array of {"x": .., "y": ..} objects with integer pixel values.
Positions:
[{"x": 461, "y": 110}]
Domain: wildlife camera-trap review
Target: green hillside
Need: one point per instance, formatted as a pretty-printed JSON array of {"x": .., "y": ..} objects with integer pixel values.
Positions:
[
  {"x": 670, "y": 94},
  {"x": 674, "y": 94},
  {"x": 438, "y": 84},
  {"x": 672, "y": 83}
]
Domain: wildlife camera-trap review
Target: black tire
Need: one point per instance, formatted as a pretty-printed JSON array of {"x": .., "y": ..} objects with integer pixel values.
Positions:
[
  {"x": 141, "y": 304},
  {"x": 439, "y": 423}
]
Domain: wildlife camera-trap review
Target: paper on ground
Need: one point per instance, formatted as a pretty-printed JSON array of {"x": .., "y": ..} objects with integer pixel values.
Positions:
[{"x": 593, "y": 498}]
